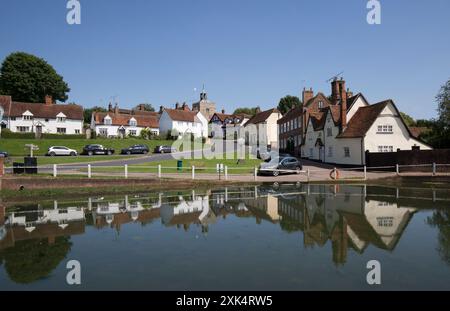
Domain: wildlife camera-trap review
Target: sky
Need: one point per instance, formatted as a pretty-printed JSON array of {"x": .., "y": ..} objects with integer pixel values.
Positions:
[{"x": 247, "y": 52}]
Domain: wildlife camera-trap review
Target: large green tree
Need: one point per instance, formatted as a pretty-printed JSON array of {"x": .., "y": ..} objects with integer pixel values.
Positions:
[
  {"x": 249, "y": 111},
  {"x": 443, "y": 100},
  {"x": 88, "y": 113},
  {"x": 408, "y": 119},
  {"x": 287, "y": 103},
  {"x": 29, "y": 78},
  {"x": 147, "y": 107}
]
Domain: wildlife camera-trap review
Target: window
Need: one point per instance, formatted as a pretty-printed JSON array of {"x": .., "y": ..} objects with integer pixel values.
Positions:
[
  {"x": 28, "y": 118},
  {"x": 103, "y": 132},
  {"x": 60, "y": 119},
  {"x": 77, "y": 131},
  {"x": 61, "y": 130},
  {"x": 329, "y": 131},
  {"x": 133, "y": 123},
  {"x": 13, "y": 118},
  {"x": 385, "y": 149},
  {"x": 46, "y": 120},
  {"x": 347, "y": 152},
  {"x": 384, "y": 129},
  {"x": 385, "y": 221},
  {"x": 330, "y": 151},
  {"x": 108, "y": 121},
  {"x": 23, "y": 129},
  {"x": 320, "y": 104},
  {"x": 132, "y": 132}
]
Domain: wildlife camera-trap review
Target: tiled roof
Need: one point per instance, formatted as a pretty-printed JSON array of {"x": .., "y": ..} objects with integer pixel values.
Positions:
[
  {"x": 149, "y": 121},
  {"x": 296, "y": 111},
  {"x": 223, "y": 116},
  {"x": 182, "y": 115},
  {"x": 262, "y": 116},
  {"x": 363, "y": 119},
  {"x": 16, "y": 109}
]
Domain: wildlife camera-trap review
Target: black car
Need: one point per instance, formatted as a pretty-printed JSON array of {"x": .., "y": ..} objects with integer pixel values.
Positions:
[
  {"x": 96, "y": 149},
  {"x": 164, "y": 149},
  {"x": 3, "y": 154},
  {"x": 136, "y": 149},
  {"x": 279, "y": 165}
]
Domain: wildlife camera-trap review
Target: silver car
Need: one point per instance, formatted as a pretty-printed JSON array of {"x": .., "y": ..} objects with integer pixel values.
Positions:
[{"x": 61, "y": 151}]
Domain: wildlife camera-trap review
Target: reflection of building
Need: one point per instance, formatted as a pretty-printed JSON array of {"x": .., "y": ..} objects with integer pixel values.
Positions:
[
  {"x": 185, "y": 212},
  {"x": 263, "y": 207},
  {"x": 42, "y": 224}
]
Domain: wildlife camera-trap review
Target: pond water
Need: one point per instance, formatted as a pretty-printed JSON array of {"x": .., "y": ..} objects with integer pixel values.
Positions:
[{"x": 288, "y": 237}]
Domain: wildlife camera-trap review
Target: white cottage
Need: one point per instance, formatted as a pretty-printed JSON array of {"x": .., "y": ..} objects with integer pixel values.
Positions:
[
  {"x": 180, "y": 122},
  {"x": 45, "y": 117}
]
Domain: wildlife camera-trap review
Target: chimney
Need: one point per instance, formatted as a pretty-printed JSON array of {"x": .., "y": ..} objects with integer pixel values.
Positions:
[
  {"x": 343, "y": 97},
  {"x": 161, "y": 109},
  {"x": 116, "y": 109},
  {"x": 48, "y": 100},
  {"x": 110, "y": 107},
  {"x": 335, "y": 95},
  {"x": 177, "y": 105},
  {"x": 257, "y": 110},
  {"x": 141, "y": 107},
  {"x": 307, "y": 95},
  {"x": 223, "y": 111},
  {"x": 349, "y": 93},
  {"x": 185, "y": 107}
]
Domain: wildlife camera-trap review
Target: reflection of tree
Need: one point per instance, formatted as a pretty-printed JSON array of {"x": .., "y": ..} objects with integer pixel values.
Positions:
[
  {"x": 31, "y": 260},
  {"x": 290, "y": 225},
  {"x": 441, "y": 220}
]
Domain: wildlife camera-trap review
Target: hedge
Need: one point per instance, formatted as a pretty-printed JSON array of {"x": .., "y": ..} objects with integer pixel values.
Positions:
[{"x": 6, "y": 133}]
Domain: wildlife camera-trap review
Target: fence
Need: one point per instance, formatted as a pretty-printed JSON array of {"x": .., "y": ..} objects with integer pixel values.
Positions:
[{"x": 224, "y": 172}]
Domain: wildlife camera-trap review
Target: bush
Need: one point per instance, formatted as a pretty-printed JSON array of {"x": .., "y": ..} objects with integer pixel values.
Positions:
[
  {"x": 6, "y": 133},
  {"x": 63, "y": 136}
]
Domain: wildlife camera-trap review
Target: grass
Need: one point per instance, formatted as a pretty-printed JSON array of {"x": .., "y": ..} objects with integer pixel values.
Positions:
[
  {"x": 68, "y": 160},
  {"x": 16, "y": 147}
]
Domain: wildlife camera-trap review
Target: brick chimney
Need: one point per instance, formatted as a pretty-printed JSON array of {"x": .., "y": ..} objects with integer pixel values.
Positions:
[
  {"x": 223, "y": 111},
  {"x": 48, "y": 100},
  {"x": 110, "y": 109},
  {"x": 141, "y": 107},
  {"x": 349, "y": 93},
  {"x": 116, "y": 108},
  {"x": 257, "y": 110},
  {"x": 177, "y": 106},
  {"x": 335, "y": 95},
  {"x": 343, "y": 102},
  {"x": 307, "y": 95},
  {"x": 161, "y": 109},
  {"x": 185, "y": 107}
]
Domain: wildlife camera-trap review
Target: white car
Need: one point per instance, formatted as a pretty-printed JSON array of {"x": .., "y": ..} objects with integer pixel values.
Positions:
[{"x": 61, "y": 151}]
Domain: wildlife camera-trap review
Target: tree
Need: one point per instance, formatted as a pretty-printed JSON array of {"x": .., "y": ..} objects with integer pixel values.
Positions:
[
  {"x": 408, "y": 119},
  {"x": 147, "y": 107},
  {"x": 441, "y": 220},
  {"x": 287, "y": 103},
  {"x": 443, "y": 100},
  {"x": 249, "y": 111},
  {"x": 28, "y": 78},
  {"x": 88, "y": 113}
]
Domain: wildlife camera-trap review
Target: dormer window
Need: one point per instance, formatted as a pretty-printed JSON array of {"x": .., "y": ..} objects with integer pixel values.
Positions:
[
  {"x": 107, "y": 120},
  {"x": 133, "y": 122},
  {"x": 27, "y": 116},
  {"x": 60, "y": 117}
]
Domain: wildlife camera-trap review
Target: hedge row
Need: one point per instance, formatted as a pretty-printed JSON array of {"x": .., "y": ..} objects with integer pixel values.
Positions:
[{"x": 8, "y": 134}]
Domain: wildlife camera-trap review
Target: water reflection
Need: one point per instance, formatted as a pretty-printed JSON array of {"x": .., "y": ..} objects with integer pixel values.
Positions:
[{"x": 35, "y": 238}]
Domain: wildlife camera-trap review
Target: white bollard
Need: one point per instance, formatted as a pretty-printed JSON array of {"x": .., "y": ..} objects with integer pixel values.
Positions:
[
  {"x": 434, "y": 169},
  {"x": 126, "y": 170},
  {"x": 193, "y": 172},
  {"x": 159, "y": 170},
  {"x": 397, "y": 169},
  {"x": 226, "y": 172},
  {"x": 89, "y": 171},
  {"x": 55, "y": 170},
  {"x": 256, "y": 173},
  {"x": 307, "y": 175},
  {"x": 365, "y": 172}
]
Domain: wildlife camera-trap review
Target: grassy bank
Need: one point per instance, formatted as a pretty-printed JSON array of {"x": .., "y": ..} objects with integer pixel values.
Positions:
[{"x": 16, "y": 147}]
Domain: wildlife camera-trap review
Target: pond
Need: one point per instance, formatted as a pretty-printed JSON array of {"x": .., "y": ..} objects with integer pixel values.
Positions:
[{"x": 283, "y": 237}]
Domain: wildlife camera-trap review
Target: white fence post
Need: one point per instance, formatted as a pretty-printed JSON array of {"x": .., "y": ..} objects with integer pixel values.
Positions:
[
  {"x": 226, "y": 172},
  {"x": 256, "y": 173},
  {"x": 335, "y": 173},
  {"x": 193, "y": 172},
  {"x": 89, "y": 171},
  {"x": 55, "y": 170},
  {"x": 126, "y": 170},
  {"x": 159, "y": 170},
  {"x": 397, "y": 169},
  {"x": 365, "y": 172},
  {"x": 434, "y": 169},
  {"x": 307, "y": 174}
]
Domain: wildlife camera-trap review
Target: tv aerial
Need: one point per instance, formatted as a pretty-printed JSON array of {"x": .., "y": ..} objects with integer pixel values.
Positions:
[{"x": 335, "y": 77}]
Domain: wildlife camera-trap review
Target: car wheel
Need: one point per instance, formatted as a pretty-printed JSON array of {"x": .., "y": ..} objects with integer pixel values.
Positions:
[
  {"x": 128, "y": 152},
  {"x": 275, "y": 173},
  {"x": 73, "y": 154},
  {"x": 52, "y": 154},
  {"x": 162, "y": 151},
  {"x": 90, "y": 153},
  {"x": 145, "y": 152},
  {"x": 109, "y": 152}
]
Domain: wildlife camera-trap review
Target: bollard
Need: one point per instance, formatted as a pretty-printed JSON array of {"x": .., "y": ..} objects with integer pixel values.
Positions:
[
  {"x": 335, "y": 173},
  {"x": 159, "y": 170},
  {"x": 193, "y": 172},
  {"x": 307, "y": 175},
  {"x": 434, "y": 169},
  {"x": 365, "y": 172},
  {"x": 55, "y": 170},
  {"x": 256, "y": 173},
  {"x": 226, "y": 172},
  {"x": 126, "y": 170},
  {"x": 89, "y": 171},
  {"x": 397, "y": 169}
]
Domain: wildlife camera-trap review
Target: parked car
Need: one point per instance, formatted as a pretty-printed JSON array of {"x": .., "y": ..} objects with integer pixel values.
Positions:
[
  {"x": 61, "y": 151},
  {"x": 164, "y": 149},
  {"x": 142, "y": 149},
  {"x": 96, "y": 149},
  {"x": 267, "y": 156},
  {"x": 280, "y": 165},
  {"x": 3, "y": 154}
]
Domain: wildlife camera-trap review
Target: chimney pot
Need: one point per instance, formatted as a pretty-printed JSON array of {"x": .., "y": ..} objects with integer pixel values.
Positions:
[
  {"x": 161, "y": 109},
  {"x": 48, "y": 100},
  {"x": 177, "y": 105},
  {"x": 223, "y": 111}
]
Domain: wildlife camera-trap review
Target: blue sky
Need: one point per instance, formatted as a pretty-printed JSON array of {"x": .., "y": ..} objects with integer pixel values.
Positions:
[{"x": 247, "y": 52}]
